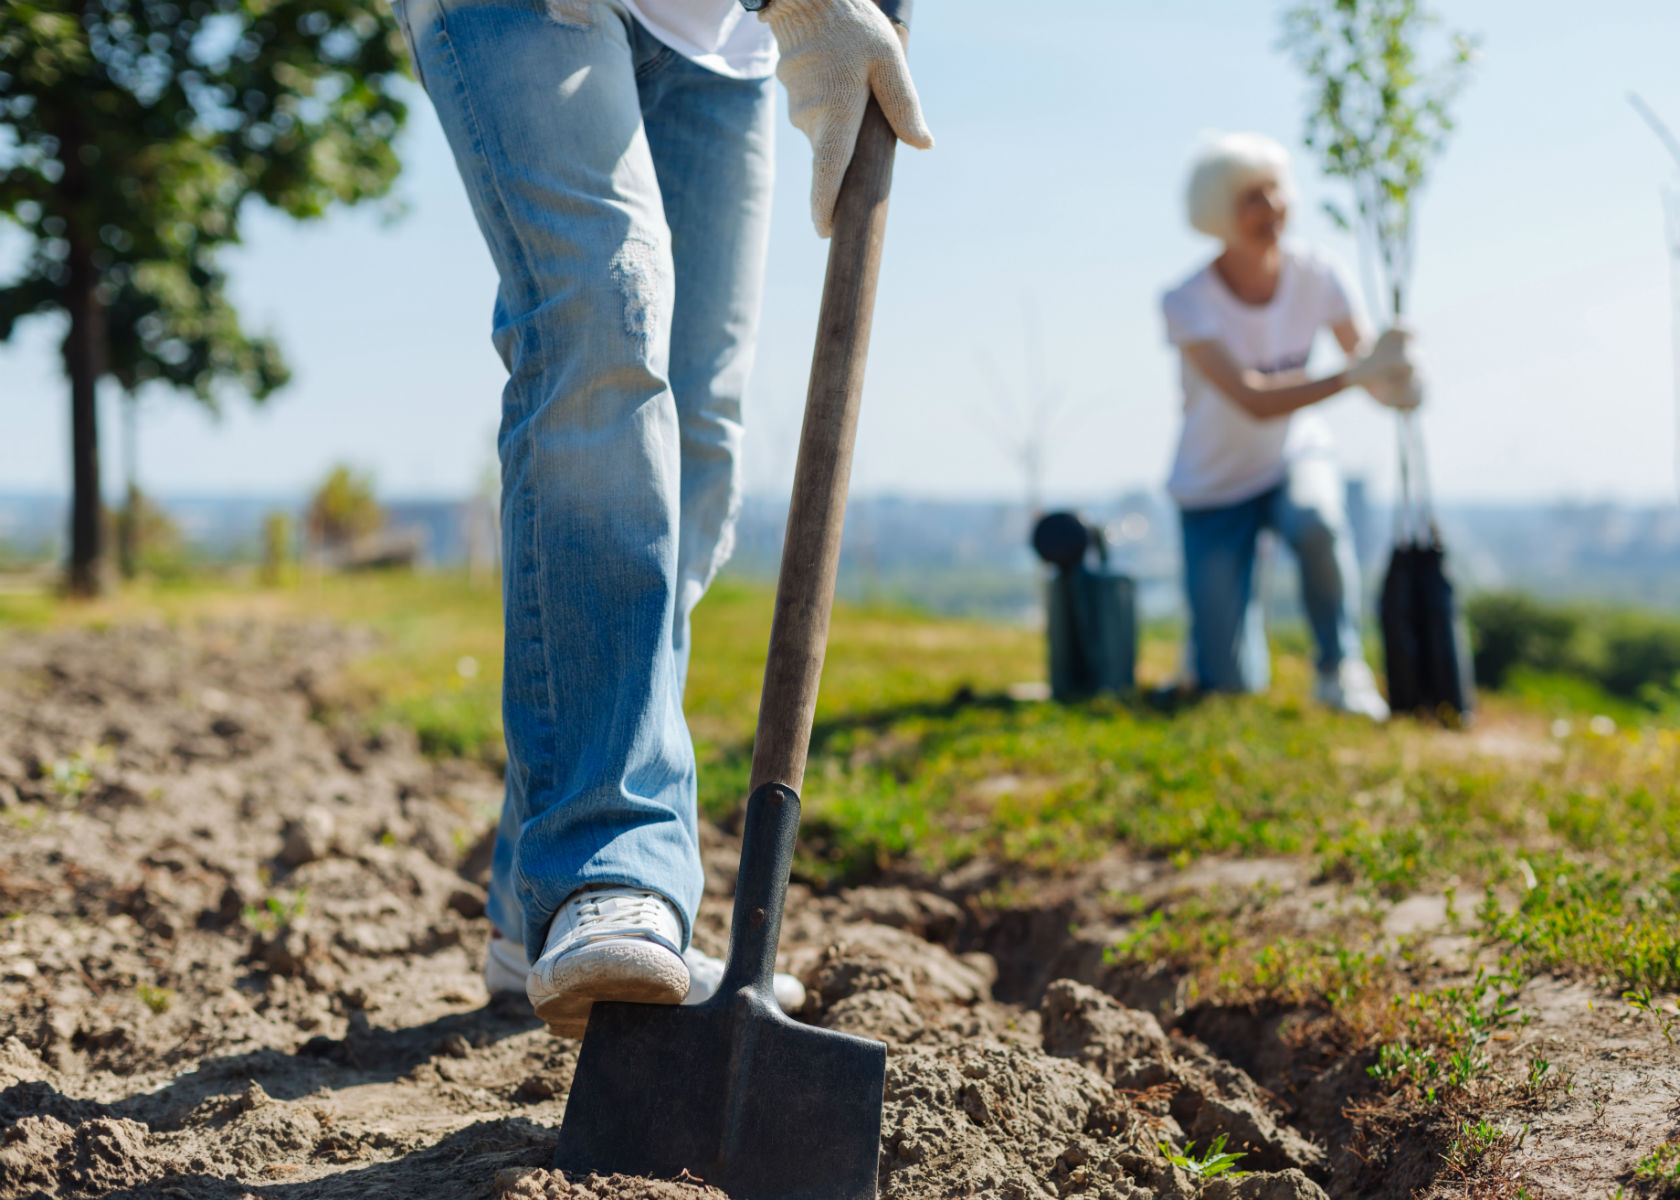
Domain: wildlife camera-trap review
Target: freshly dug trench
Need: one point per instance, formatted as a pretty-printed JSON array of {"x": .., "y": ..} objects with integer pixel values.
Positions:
[{"x": 243, "y": 949}]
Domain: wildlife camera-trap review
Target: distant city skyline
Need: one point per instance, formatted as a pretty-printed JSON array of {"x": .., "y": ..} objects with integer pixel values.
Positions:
[
  {"x": 971, "y": 556},
  {"x": 1047, "y": 217}
]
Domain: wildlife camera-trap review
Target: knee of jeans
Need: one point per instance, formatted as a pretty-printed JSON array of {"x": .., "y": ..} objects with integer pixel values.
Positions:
[
  {"x": 642, "y": 295},
  {"x": 607, "y": 333},
  {"x": 1315, "y": 536}
]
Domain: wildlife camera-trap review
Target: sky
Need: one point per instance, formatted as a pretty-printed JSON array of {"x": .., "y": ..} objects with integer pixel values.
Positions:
[{"x": 1025, "y": 258}]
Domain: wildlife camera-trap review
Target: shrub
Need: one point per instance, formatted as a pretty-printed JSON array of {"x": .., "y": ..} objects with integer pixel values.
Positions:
[
  {"x": 1632, "y": 655},
  {"x": 1509, "y": 629},
  {"x": 1641, "y": 656}
]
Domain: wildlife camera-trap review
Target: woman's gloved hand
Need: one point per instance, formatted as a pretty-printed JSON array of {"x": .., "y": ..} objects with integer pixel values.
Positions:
[
  {"x": 835, "y": 53},
  {"x": 1403, "y": 391},
  {"x": 1390, "y": 357},
  {"x": 1390, "y": 370}
]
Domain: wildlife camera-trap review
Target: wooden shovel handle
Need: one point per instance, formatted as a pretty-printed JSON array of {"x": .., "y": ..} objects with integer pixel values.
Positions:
[{"x": 817, "y": 511}]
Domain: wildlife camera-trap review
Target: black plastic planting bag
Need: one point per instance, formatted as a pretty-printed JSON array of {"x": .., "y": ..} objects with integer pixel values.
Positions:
[
  {"x": 1426, "y": 645},
  {"x": 1426, "y": 649}
]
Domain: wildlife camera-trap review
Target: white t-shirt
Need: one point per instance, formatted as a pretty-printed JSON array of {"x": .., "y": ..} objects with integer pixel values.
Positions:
[
  {"x": 1224, "y": 454},
  {"x": 720, "y": 35}
]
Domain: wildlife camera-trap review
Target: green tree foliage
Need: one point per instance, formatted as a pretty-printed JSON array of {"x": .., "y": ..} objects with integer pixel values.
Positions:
[
  {"x": 279, "y": 540},
  {"x": 1379, "y": 114},
  {"x": 343, "y": 508},
  {"x": 148, "y": 537},
  {"x": 132, "y": 132}
]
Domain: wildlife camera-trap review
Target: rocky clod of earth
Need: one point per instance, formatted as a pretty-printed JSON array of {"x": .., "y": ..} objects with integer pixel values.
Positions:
[
  {"x": 242, "y": 948},
  {"x": 1177, "y": 1078}
]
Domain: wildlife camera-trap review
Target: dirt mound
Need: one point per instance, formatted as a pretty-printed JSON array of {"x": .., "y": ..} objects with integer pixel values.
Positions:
[{"x": 242, "y": 959}]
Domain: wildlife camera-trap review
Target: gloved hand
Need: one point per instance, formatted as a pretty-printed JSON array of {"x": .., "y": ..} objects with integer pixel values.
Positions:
[
  {"x": 1389, "y": 359},
  {"x": 1390, "y": 371},
  {"x": 1401, "y": 390},
  {"x": 834, "y": 54}
]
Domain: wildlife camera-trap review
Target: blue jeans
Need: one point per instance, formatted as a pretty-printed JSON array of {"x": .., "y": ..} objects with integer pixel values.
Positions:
[
  {"x": 624, "y": 195},
  {"x": 1227, "y": 630}
]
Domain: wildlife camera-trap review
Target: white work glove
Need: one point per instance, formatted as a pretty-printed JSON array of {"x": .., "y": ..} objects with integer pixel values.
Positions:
[
  {"x": 1391, "y": 356},
  {"x": 1402, "y": 391},
  {"x": 834, "y": 54},
  {"x": 1390, "y": 372}
]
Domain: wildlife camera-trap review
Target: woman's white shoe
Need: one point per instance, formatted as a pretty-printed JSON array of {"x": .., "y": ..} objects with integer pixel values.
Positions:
[
  {"x": 706, "y": 972},
  {"x": 1352, "y": 688},
  {"x": 506, "y": 973},
  {"x": 607, "y": 943}
]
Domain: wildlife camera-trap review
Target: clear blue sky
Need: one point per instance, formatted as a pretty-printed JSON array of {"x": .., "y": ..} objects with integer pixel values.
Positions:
[{"x": 1050, "y": 204}]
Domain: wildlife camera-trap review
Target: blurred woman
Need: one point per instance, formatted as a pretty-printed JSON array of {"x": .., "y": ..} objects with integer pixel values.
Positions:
[{"x": 1249, "y": 458}]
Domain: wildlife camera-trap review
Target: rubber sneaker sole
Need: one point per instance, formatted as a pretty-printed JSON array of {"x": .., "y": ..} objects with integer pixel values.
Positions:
[{"x": 633, "y": 970}]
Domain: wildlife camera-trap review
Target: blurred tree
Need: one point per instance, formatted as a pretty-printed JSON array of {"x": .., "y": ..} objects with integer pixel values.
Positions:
[
  {"x": 1379, "y": 116},
  {"x": 147, "y": 536},
  {"x": 131, "y": 134},
  {"x": 343, "y": 508},
  {"x": 278, "y": 542}
]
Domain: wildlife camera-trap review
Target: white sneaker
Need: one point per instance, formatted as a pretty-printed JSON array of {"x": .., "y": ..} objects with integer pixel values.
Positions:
[
  {"x": 505, "y": 968},
  {"x": 506, "y": 971},
  {"x": 705, "y": 973},
  {"x": 607, "y": 943},
  {"x": 1352, "y": 689}
]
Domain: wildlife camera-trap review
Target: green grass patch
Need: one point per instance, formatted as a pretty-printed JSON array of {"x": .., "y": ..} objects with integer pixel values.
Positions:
[
  {"x": 921, "y": 762},
  {"x": 1620, "y": 927},
  {"x": 1661, "y": 1165}
]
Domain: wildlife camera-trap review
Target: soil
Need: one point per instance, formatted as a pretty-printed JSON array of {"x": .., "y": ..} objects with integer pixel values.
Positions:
[{"x": 241, "y": 946}]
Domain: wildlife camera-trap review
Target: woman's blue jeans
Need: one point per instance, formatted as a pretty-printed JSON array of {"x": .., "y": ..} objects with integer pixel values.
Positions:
[
  {"x": 1227, "y": 629},
  {"x": 624, "y": 195}
]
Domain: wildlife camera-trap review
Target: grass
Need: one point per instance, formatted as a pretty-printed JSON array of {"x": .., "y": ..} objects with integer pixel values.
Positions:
[
  {"x": 1661, "y": 1165},
  {"x": 1561, "y": 811}
]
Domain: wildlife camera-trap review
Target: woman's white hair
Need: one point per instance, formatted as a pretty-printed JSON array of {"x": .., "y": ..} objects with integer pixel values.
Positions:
[{"x": 1226, "y": 165}]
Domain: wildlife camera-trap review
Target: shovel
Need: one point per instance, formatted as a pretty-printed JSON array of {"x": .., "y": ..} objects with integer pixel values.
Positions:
[{"x": 732, "y": 1091}]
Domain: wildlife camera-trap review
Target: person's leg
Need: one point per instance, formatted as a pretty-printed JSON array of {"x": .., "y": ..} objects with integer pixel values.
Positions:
[
  {"x": 1309, "y": 512},
  {"x": 712, "y": 139},
  {"x": 542, "y": 111},
  {"x": 1227, "y": 634}
]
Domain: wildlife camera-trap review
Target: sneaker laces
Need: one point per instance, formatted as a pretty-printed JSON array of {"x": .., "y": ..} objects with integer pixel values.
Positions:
[{"x": 623, "y": 913}]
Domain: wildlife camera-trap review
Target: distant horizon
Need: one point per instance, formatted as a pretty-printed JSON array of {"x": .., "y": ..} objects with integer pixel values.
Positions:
[{"x": 115, "y": 497}]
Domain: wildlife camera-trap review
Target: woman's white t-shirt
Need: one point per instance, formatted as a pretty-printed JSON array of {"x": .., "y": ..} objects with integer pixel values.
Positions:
[
  {"x": 720, "y": 35},
  {"x": 1225, "y": 455}
]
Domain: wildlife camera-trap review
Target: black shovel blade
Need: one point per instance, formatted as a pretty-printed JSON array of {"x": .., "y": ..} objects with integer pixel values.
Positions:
[{"x": 731, "y": 1091}]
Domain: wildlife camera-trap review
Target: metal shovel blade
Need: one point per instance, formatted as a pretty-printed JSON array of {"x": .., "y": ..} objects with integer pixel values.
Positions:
[{"x": 732, "y": 1091}]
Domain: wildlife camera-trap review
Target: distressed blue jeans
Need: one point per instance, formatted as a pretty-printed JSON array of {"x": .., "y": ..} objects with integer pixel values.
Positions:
[
  {"x": 624, "y": 195},
  {"x": 1227, "y": 630}
]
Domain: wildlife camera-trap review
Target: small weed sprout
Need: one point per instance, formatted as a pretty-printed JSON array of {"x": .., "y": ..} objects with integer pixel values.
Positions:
[
  {"x": 275, "y": 914},
  {"x": 157, "y": 999},
  {"x": 1212, "y": 1163},
  {"x": 1662, "y": 1164},
  {"x": 71, "y": 777},
  {"x": 1642, "y": 1001},
  {"x": 1481, "y": 1140}
]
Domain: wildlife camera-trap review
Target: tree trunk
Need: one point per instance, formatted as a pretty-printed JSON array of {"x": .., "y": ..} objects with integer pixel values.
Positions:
[
  {"x": 128, "y": 522},
  {"x": 84, "y": 362},
  {"x": 82, "y": 355}
]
